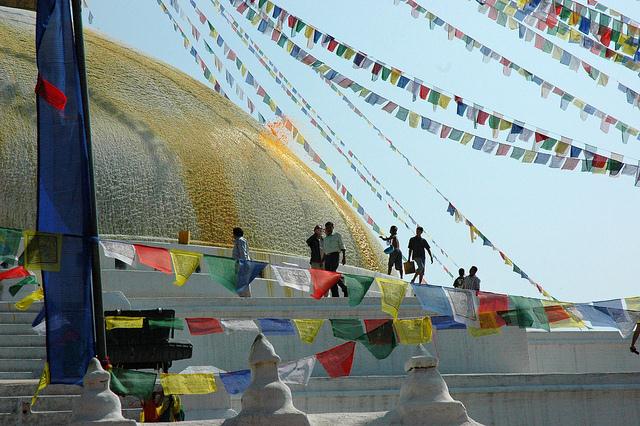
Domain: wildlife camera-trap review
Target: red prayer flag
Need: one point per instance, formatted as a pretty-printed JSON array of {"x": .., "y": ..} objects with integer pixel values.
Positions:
[
  {"x": 556, "y": 313},
  {"x": 156, "y": 257},
  {"x": 332, "y": 45},
  {"x": 51, "y": 94},
  {"x": 424, "y": 91},
  {"x": 599, "y": 161},
  {"x": 292, "y": 21},
  {"x": 338, "y": 360},
  {"x": 322, "y": 281},
  {"x": 605, "y": 38},
  {"x": 200, "y": 326},
  {"x": 492, "y": 302},
  {"x": 372, "y": 324},
  {"x": 482, "y": 117},
  {"x": 540, "y": 137},
  {"x": 17, "y": 272}
]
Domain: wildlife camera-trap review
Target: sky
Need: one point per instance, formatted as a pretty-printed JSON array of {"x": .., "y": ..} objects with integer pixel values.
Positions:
[{"x": 574, "y": 233}]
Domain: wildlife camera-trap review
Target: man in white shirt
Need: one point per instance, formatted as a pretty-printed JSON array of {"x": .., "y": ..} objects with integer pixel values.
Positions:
[{"x": 333, "y": 245}]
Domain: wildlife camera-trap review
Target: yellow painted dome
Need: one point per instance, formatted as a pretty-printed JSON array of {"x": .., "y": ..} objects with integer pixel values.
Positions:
[{"x": 170, "y": 154}]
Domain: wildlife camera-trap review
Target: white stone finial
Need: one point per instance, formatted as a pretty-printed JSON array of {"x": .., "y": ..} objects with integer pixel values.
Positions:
[
  {"x": 425, "y": 398},
  {"x": 267, "y": 401},
  {"x": 97, "y": 404}
]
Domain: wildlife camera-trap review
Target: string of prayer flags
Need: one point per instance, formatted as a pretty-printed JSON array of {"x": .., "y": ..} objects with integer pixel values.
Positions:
[
  {"x": 236, "y": 382},
  {"x": 203, "y": 326},
  {"x": 413, "y": 331},
  {"x": 45, "y": 379},
  {"x": 123, "y": 252},
  {"x": 393, "y": 292},
  {"x": 239, "y": 325},
  {"x": 297, "y": 372},
  {"x": 338, "y": 360},
  {"x": 113, "y": 322},
  {"x": 29, "y": 299},
  {"x": 155, "y": 257},
  {"x": 132, "y": 382},
  {"x": 276, "y": 327},
  {"x": 322, "y": 281},
  {"x": 347, "y": 328},
  {"x": 308, "y": 329},
  {"x": 187, "y": 384},
  {"x": 358, "y": 285},
  {"x": 9, "y": 245},
  {"x": 185, "y": 263},
  {"x": 173, "y": 323},
  {"x": 13, "y": 273},
  {"x": 42, "y": 251}
]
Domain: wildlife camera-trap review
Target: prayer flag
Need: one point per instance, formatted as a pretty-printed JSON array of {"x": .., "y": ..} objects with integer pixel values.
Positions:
[
  {"x": 465, "y": 306},
  {"x": 347, "y": 328},
  {"x": 297, "y": 278},
  {"x": 28, "y": 300},
  {"x": 202, "y": 326},
  {"x": 131, "y": 382},
  {"x": 174, "y": 323},
  {"x": 236, "y": 382},
  {"x": 526, "y": 312},
  {"x": 276, "y": 327},
  {"x": 42, "y": 251},
  {"x": 433, "y": 299},
  {"x": 45, "y": 379},
  {"x": 323, "y": 281},
  {"x": 13, "y": 273},
  {"x": 413, "y": 331},
  {"x": 185, "y": 263},
  {"x": 187, "y": 384},
  {"x": 297, "y": 372},
  {"x": 121, "y": 251},
  {"x": 222, "y": 271},
  {"x": 358, "y": 285},
  {"x": 492, "y": 302},
  {"x": 155, "y": 257},
  {"x": 338, "y": 360},
  {"x": 381, "y": 340},
  {"x": 308, "y": 328},
  {"x": 240, "y": 325},
  {"x": 30, "y": 280},
  {"x": 112, "y": 322},
  {"x": 9, "y": 245},
  {"x": 488, "y": 325},
  {"x": 393, "y": 292},
  {"x": 247, "y": 271}
]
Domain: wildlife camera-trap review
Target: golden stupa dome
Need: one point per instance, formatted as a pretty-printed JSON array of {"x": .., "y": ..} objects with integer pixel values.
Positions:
[{"x": 170, "y": 154}]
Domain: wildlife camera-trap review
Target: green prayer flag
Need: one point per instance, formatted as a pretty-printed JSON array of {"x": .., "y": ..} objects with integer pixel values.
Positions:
[
  {"x": 380, "y": 341},
  {"x": 587, "y": 165},
  {"x": 434, "y": 97},
  {"x": 282, "y": 40},
  {"x": 299, "y": 25},
  {"x": 358, "y": 285},
  {"x": 547, "y": 47},
  {"x": 494, "y": 121},
  {"x": 341, "y": 49},
  {"x": 223, "y": 271},
  {"x": 131, "y": 382},
  {"x": 347, "y": 329},
  {"x": 548, "y": 144},
  {"x": 455, "y": 134},
  {"x": 386, "y": 72},
  {"x": 175, "y": 323},
  {"x": 517, "y": 152},
  {"x": 261, "y": 3},
  {"x": 526, "y": 312},
  {"x": 9, "y": 244},
  {"x": 566, "y": 12},
  {"x": 14, "y": 289}
]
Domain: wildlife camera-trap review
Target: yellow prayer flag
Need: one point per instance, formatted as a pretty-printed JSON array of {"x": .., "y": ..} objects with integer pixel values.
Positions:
[
  {"x": 348, "y": 54},
  {"x": 413, "y": 331},
  {"x": 395, "y": 75},
  {"x": 112, "y": 322},
  {"x": 633, "y": 303},
  {"x": 488, "y": 325},
  {"x": 184, "y": 264},
  {"x": 308, "y": 32},
  {"x": 308, "y": 328},
  {"x": 574, "y": 320},
  {"x": 300, "y": 139},
  {"x": 42, "y": 251},
  {"x": 414, "y": 119},
  {"x": 28, "y": 300},
  {"x": 603, "y": 79},
  {"x": 45, "y": 379},
  {"x": 512, "y": 23},
  {"x": 556, "y": 53},
  {"x": 443, "y": 101},
  {"x": 574, "y": 18},
  {"x": 504, "y": 124},
  {"x": 187, "y": 384},
  {"x": 256, "y": 19},
  {"x": 509, "y": 10},
  {"x": 473, "y": 233},
  {"x": 529, "y": 156},
  {"x": 269, "y": 7},
  {"x": 466, "y": 138},
  {"x": 393, "y": 292},
  {"x": 573, "y": 36},
  {"x": 561, "y": 148}
]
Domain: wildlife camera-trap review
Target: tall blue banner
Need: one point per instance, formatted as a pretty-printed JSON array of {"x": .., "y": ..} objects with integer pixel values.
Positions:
[{"x": 64, "y": 204}]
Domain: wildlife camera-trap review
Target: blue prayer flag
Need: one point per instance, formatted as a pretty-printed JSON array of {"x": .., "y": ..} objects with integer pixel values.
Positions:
[
  {"x": 236, "y": 382},
  {"x": 433, "y": 299},
  {"x": 248, "y": 270},
  {"x": 276, "y": 327}
]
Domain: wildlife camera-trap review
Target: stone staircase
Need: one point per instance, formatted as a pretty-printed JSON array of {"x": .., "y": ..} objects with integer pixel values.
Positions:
[{"x": 22, "y": 351}]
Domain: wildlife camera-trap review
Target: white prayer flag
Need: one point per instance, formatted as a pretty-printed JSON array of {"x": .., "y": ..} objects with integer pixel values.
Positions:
[
  {"x": 121, "y": 251},
  {"x": 297, "y": 278},
  {"x": 297, "y": 372},
  {"x": 202, "y": 369},
  {"x": 41, "y": 328},
  {"x": 239, "y": 325},
  {"x": 464, "y": 304}
]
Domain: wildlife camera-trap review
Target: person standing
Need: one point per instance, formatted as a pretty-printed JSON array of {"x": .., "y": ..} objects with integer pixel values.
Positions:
[
  {"x": 333, "y": 245},
  {"x": 458, "y": 282},
  {"x": 395, "y": 256},
  {"x": 471, "y": 281},
  {"x": 417, "y": 247},
  {"x": 240, "y": 252},
  {"x": 316, "y": 244}
]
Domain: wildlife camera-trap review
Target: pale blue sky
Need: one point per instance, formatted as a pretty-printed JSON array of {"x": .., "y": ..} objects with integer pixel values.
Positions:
[{"x": 573, "y": 232}]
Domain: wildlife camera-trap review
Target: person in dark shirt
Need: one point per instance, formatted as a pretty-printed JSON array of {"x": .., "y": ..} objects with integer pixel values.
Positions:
[
  {"x": 316, "y": 244},
  {"x": 417, "y": 247},
  {"x": 457, "y": 283},
  {"x": 395, "y": 256}
]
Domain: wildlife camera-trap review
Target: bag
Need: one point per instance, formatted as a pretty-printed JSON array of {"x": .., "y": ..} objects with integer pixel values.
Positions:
[
  {"x": 389, "y": 250},
  {"x": 409, "y": 267}
]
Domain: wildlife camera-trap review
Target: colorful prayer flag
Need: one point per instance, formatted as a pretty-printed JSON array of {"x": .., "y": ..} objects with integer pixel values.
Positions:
[
  {"x": 297, "y": 372},
  {"x": 112, "y": 322},
  {"x": 45, "y": 379},
  {"x": 240, "y": 325},
  {"x": 347, "y": 328},
  {"x": 393, "y": 292},
  {"x": 322, "y": 281},
  {"x": 465, "y": 306},
  {"x": 308, "y": 328},
  {"x": 222, "y": 271},
  {"x": 28, "y": 300},
  {"x": 30, "y": 280},
  {"x": 174, "y": 323},
  {"x": 187, "y": 384},
  {"x": 381, "y": 340},
  {"x": 9, "y": 245},
  {"x": 185, "y": 263},
  {"x": 155, "y": 257},
  {"x": 42, "y": 251},
  {"x": 236, "y": 382},
  {"x": 413, "y": 331},
  {"x": 13, "y": 273},
  {"x": 123, "y": 252},
  {"x": 358, "y": 285},
  {"x": 338, "y": 360},
  {"x": 433, "y": 299},
  {"x": 276, "y": 327},
  {"x": 297, "y": 278},
  {"x": 202, "y": 326},
  {"x": 131, "y": 382}
]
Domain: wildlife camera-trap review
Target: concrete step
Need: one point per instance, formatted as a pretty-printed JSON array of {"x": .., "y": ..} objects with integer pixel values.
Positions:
[
  {"x": 23, "y": 352},
  {"x": 44, "y": 403},
  {"x": 9, "y": 329},
  {"x": 17, "y": 317},
  {"x": 39, "y": 418},
  {"x": 22, "y": 364},
  {"x": 21, "y": 340},
  {"x": 17, "y": 375},
  {"x": 28, "y": 387},
  {"x": 10, "y": 306}
]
